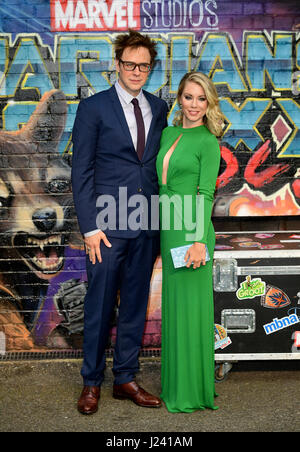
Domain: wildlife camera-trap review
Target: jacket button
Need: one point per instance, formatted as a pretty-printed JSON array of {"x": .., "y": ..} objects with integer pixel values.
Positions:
[{"x": 140, "y": 189}]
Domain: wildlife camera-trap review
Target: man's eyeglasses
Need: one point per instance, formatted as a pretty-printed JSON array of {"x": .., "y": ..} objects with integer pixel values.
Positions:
[{"x": 130, "y": 66}]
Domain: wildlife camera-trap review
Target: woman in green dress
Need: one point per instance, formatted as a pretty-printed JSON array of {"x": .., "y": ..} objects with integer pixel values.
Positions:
[{"x": 187, "y": 167}]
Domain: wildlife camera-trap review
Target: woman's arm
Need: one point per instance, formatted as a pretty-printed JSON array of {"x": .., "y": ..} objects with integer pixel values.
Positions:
[{"x": 210, "y": 157}]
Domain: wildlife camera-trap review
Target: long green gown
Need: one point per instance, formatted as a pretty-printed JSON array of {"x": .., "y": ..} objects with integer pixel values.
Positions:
[{"x": 187, "y": 373}]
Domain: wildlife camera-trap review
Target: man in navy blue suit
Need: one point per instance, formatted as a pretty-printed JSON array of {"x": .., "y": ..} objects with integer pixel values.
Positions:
[{"x": 116, "y": 138}]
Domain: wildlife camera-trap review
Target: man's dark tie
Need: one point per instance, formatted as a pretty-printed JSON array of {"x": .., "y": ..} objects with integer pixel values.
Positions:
[{"x": 140, "y": 129}]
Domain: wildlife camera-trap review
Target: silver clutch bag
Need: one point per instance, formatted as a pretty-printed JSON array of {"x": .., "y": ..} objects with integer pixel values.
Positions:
[{"x": 178, "y": 255}]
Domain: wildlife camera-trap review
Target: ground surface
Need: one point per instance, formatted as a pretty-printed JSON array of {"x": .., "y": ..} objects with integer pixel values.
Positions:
[{"x": 41, "y": 396}]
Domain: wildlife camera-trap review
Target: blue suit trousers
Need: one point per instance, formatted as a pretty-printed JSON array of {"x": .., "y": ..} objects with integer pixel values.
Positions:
[{"x": 126, "y": 266}]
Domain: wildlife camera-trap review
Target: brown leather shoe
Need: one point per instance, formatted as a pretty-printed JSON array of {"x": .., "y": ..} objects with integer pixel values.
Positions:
[
  {"x": 137, "y": 394},
  {"x": 88, "y": 402}
]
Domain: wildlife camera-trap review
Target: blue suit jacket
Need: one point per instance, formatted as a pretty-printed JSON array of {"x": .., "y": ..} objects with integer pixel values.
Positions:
[{"x": 104, "y": 159}]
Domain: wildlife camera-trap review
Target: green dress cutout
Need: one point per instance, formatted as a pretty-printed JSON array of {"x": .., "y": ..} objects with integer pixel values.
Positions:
[{"x": 187, "y": 295}]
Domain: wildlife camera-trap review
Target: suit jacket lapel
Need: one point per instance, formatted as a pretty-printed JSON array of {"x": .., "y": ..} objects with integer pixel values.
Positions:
[
  {"x": 154, "y": 109},
  {"x": 121, "y": 116}
]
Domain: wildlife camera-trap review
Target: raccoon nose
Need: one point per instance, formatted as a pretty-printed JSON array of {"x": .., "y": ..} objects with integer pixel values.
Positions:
[{"x": 44, "y": 219}]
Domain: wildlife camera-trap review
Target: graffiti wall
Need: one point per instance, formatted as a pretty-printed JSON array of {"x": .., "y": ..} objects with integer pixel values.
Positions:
[{"x": 54, "y": 53}]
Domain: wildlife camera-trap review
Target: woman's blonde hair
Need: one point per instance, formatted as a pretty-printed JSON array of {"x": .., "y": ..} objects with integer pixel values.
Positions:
[{"x": 214, "y": 117}]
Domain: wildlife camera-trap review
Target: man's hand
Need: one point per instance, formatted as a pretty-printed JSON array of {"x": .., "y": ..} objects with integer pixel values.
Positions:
[{"x": 92, "y": 246}]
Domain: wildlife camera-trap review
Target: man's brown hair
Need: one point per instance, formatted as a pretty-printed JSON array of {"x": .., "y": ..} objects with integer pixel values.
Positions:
[{"x": 134, "y": 39}]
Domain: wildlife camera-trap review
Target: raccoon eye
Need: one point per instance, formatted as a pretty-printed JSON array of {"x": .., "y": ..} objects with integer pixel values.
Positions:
[
  {"x": 59, "y": 186},
  {"x": 3, "y": 202}
]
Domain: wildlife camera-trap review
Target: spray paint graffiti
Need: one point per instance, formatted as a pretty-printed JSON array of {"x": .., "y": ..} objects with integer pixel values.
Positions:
[
  {"x": 43, "y": 75},
  {"x": 261, "y": 108},
  {"x": 35, "y": 217}
]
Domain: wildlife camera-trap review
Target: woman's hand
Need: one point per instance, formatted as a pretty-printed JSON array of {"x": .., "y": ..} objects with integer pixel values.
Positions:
[
  {"x": 196, "y": 255},
  {"x": 92, "y": 246}
]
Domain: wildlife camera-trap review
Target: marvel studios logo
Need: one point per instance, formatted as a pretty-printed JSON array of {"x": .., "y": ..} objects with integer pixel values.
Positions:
[
  {"x": 2, "y": 343},
  {"x": 90, "y": 15}
]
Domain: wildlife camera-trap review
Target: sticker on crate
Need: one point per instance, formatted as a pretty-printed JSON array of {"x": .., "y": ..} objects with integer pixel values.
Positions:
[
  {"x": 251, "y": 288},
  {"x": 296, "y": 338},
  {"x": 241, "y": 239},
  {"x": 223, "y": 247},
  {"x": 264, "y": 235},
  {"x": 280, "y": 324},
  {"x": 275, "y": 298},
  {"x": 250, "y": 244},
  {"x": 221, "y": 338}
]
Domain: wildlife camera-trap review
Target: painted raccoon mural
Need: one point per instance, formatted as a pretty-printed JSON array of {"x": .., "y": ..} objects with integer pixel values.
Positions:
[{"x": 35, "y": 217}]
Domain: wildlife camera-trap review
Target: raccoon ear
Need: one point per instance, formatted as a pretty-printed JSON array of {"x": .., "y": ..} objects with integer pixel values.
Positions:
[{"x": 47, "y": 122}]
